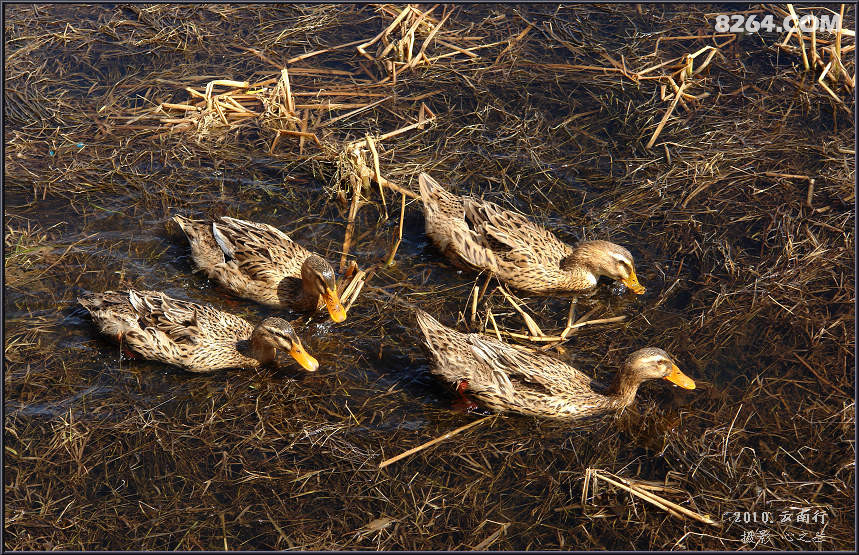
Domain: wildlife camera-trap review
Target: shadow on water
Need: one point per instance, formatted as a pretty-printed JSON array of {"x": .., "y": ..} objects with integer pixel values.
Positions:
[{"x": 748, "y": 277}]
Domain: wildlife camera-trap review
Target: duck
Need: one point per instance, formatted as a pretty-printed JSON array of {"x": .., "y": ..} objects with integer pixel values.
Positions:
[
  {"x": 192, "y": 336},
  {"x": 478, "y": 235},
  {"x": 507, "y": 379},
  {"x": 259, "y": 262}
]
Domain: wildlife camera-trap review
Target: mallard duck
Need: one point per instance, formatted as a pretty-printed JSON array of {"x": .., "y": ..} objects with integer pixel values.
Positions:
[
  {"x": 507, "y": 379},
  {"x": 259, "y": 262},
  {"x": 194, "y": 337},
  {"x": 480, "y": 235}
]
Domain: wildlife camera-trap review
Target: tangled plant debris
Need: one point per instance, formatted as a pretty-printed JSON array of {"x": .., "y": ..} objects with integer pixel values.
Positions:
[{"x": 724, "y": 161}]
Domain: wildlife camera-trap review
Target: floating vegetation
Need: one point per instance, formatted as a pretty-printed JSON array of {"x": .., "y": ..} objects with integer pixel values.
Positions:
[{"x": 724, "y": 161}]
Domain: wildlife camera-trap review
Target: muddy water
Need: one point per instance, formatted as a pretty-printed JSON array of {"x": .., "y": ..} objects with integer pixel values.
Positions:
[
  {"x": 372, "y": 398},
  {"x": 104, "y": 451},
  {"x": 112, "y": 242}
]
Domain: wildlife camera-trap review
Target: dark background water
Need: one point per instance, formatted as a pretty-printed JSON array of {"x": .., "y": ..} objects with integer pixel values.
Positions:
[{"x": 749, "y": 288}]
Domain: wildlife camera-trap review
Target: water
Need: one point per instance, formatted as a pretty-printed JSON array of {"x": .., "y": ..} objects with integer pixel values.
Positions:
[{"x": 108, "y": 452}]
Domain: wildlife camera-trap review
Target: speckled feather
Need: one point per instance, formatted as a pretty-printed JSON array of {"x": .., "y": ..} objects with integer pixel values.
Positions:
[
  {"x": 252, "y": 260},
  {"x": 195, "y": 337},
  {"x": 479, "y": 235},
  {"x": 505, "y": 378}
]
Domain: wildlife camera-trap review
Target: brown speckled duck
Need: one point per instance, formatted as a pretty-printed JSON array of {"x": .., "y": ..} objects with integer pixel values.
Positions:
[
  {"x": 261, "y": 263},
  {"x": 478, "y": 234},
  {"x": 194, "y": 337},
  {"x": 504, "y": 378}
]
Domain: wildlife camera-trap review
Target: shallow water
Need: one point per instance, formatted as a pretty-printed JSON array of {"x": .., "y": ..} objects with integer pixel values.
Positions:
[{"x": 130, "y": 454}]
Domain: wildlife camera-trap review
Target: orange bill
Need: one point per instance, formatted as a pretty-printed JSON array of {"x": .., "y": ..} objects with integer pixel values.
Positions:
[
  {"x": 632, "y": 283},
  {"x": 335, "y": 309},
  {"x": 679, "y": 378},
  {"x": 301, "y": 357}
]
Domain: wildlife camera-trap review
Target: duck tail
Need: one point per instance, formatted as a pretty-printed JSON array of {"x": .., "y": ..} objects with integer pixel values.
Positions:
[
  {"x": 101, "y": 301},
  {"x": 187, "y": 225},
  {"x": 111, "y": 311},
  {"x": 437, "y": 335},
  {"x": 91, "y": 301},
  {"x": 432, "y": 193},
  {"x": 204, "y": 248},
  {"x": 427, "y": 323}
]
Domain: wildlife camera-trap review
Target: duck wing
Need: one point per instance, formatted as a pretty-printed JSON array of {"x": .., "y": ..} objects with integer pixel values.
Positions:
[
  {"x": 512, "y": 371},
  {"x": 156, "y": 312},
  {"x": 261, "y": 251},
  {"x": 444, "y": 217},
  {"x": 513, "y": 237}
]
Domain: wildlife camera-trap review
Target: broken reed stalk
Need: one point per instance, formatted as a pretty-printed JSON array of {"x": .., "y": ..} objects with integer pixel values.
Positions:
[
  {"x": 410, "y": 33},
  {"x": 301, "y": 134},
  {"x": 570, "y": 327},
  {"x": 394, "y": 187},
  {"x": 305, "y": 117},
  {"x": 348, "y": 275},
  {"x": 390, "y": 259},
  {"x": 287, "y": 91},
  {"x": 665, "y": 117},
  {"x": 394, "y": 133},
  {"x": 323, "y": 51},
  {"x": 432, "y": 442},
  {"x": 468, "y": 51},
  {"x": 787, "y": 175},
  {"x": 672, "y": 508},
  {"x": 354, "y": 289},
  {"x": 491, "y": 318},
  {"x": 225, "y": 82},
  {"x": 799, "y": 34},
  {"x": 357, "y": 280},
  {"x": 557, "y": 338},
  {"x": 571, "y": 313},
  {"x": 385, "y": 31},
  {"x": 485, "y": 285},
  {"x": 529, "y": 322},
  {"x": 353, "y": 112},
  {"x": 372, "y": 145},
  {"x": 375, "y": 173},
  {"x": 826, "y": 87},
  {"x": 350, "y": 225},
  {"x": 473, "y": 314},
  {"x": 422, "y": 53}
]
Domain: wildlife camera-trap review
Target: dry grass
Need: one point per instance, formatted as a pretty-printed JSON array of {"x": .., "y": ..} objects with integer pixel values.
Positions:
[{"x": 725, "y": 166}]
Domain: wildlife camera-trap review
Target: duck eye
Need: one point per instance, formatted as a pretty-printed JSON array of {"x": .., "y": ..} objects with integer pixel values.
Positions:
[
  {"x": 284, "y": 337},
  {"x": 320, "y": 285}
]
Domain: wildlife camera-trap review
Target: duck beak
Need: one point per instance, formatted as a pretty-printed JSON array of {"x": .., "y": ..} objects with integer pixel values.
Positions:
[
  {"x": 632, "y": 283},
  {"x": 301, "y": 357},
  {"x": 679, "y": 378},
  {"x": 335, "y": 309}
]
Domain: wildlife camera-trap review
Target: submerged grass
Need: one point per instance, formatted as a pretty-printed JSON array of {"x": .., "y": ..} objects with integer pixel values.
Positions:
[{"x": 723, "y": 164}]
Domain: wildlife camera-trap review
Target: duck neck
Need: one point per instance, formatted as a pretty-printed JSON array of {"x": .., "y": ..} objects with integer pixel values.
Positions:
[
  {"x": 578, "y": 275},
  {"x": 623, "y": 389},
  {"x": 262, "y": 351},
  {"x": 308, "y": 296},
  {"x": 308, "y": 299}
]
